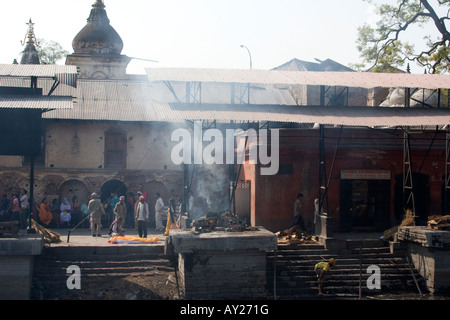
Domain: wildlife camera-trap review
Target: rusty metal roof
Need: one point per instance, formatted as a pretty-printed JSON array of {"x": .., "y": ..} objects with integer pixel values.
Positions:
[
  {"x": 335, "y": 115},
  {"x": 346, "y": 79},
  {"x": 36, "y": 102},
  {"x": 62, "y": 73}
]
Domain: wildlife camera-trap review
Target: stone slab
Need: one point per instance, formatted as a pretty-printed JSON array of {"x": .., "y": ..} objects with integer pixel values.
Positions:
[
  {"x": 22, "y": 245},
  {"x": 425, "y": 237}
]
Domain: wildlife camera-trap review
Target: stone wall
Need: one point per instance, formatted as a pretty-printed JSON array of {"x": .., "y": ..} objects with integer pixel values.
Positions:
[
  {"x": 223, "y": 275},
  {"x": 220, "y": 264},
  {"x": 429, "y": 251},
  {"x": 16, "y": 265}
]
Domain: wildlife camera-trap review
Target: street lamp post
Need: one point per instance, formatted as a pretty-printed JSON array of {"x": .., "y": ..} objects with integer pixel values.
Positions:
[
  {"x": 248, "y": 86},
  {"x": 249, "y": 54}
]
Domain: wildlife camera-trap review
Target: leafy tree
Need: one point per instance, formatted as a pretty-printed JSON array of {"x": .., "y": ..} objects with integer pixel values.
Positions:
[
  {"x": 381, "y": 47},
  {"x": 50, "y": 52}
]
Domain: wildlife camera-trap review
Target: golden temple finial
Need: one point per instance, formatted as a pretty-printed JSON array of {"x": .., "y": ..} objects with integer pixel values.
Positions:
[{"x": 30, "y": 34}]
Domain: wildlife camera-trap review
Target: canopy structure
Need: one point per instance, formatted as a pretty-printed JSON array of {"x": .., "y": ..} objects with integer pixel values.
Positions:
[
  {"x": 326, "y": 115},
  {"x": 61, "y": 73},
  {"x": 36, "y": 102},
  {"x": 277, "y": 77}
]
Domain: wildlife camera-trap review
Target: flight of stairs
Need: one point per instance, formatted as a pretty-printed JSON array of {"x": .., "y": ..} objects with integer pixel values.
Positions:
[
  {"x": 115, "y": 272},
  {"x": 296, "y": 279}
]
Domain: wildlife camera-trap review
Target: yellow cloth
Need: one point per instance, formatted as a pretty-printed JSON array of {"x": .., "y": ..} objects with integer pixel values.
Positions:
[{"x": 169, "y": 225}]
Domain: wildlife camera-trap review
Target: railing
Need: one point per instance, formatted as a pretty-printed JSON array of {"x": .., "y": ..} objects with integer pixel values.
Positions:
[{"x": 68, "y": 233}]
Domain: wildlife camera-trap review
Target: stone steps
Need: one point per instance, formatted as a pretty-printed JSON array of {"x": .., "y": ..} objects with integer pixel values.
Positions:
[
  {"x": 99, "y": 266},
  {"x": 296, "y": 279}
]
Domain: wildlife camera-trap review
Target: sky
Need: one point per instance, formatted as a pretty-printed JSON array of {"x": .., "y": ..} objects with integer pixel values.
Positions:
[{"x": 199, "y": 33}]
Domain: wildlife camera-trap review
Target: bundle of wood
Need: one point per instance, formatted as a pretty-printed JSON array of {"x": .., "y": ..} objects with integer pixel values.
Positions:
[
  {"x": 408, "y": 220},
  {"x": 49, "y": 236},
  {"x": 9, "y": 229},
  {"x": 439, "y": 222},
  {"x": 295, "y": 235}
]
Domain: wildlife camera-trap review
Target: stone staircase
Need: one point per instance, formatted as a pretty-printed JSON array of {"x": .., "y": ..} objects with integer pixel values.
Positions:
[
  {"x": 106, "y": 273},
  {"x": 296, "y": 279}
]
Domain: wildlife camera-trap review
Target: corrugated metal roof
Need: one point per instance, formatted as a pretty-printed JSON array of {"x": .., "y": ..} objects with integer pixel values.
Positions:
[
  {"x": 132, "y": 100},
  {"x": 63, "y": 73},
  {"x": 335, "y": 115},
  {"x": 36, "y": 102},
  {"x": 346, "y": 79}
]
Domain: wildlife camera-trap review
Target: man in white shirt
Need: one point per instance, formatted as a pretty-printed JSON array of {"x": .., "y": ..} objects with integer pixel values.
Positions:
[
  {"x": 142, "y": 215},
  {"x": 159, "y": 208}
]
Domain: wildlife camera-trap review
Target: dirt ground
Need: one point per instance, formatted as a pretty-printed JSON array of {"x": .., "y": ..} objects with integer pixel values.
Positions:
[{"x": 159, "y": 285}]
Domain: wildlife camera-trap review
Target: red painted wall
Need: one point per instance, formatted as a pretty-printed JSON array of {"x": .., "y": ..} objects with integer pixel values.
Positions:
[{"x": 272, "y": 197}]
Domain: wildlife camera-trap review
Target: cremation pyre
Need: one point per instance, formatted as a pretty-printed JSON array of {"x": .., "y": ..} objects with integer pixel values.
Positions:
[{"x": 225, "y": 221}]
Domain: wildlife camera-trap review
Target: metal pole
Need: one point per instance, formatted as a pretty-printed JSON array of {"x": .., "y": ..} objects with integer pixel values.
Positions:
[
  {"x": 275, "y": 275},
  {"x": 31, "y": 200},
  {"x": 360, "y": 269},
  {"x": 251, "y": 67}
]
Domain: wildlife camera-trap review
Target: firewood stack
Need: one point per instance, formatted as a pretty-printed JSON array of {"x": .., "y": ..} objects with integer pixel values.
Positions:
[
  {"x": 295, "y": 235},
  {"x": 439, "y": 222}
]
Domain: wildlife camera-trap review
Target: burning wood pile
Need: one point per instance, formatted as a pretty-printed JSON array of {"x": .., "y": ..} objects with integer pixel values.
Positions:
[
  {"x": 439, "y": 222},
  {"x": 225, "y": 221},
  {"x": 295, "y": 235}
]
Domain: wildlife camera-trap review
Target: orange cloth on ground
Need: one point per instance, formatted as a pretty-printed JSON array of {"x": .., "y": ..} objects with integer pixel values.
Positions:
[{"x": 132, "y": 239}]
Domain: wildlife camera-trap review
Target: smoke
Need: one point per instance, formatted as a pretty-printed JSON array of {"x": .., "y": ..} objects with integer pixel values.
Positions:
[{"x": 210, "y": 191}]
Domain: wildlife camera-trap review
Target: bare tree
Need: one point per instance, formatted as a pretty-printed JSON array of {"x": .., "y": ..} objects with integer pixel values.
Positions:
[{"x": 381, "y": 46}]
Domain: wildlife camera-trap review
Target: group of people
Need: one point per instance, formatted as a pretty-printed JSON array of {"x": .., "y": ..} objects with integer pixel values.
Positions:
[
  {"x": 141, "y": 214},
  {"x": 16, "y": 208}
]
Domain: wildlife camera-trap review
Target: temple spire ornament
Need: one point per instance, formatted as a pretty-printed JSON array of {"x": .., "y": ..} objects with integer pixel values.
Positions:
[{"x": 30, "y": 55}]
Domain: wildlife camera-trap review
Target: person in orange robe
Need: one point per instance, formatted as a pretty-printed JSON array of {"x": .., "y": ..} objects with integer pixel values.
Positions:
[{"x": 44, "y": 212}]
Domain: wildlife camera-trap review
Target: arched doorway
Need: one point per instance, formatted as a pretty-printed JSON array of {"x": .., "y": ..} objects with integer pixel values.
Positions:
[
  {"x": 112, "y": 186},
  {"x": 72, "y": 188}
]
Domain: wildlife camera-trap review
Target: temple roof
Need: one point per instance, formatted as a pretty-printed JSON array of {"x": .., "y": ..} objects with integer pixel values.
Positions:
[{"x": 98, "y": 36}]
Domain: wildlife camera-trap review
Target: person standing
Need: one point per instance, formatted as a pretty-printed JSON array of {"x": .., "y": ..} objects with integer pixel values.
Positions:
[
  {"x": 96, "y": 211},
  {"x": 84, "y": 209},
  {"x": 24, "y": 207},
  {"x": 298, "y": 212},
  {"x": 120, "y": 211},
  {"x": 142, "y": 215},
  {"x": 54, "y": 209},
  {"x": 114, "y": 199},
  {"x": 75, "y": 210},
  {"x": 65, "y": 212},
  {"x": 4, "y": 205},
  {"x": 15, "y": 208},
  {"x": 159, "y": 208}
]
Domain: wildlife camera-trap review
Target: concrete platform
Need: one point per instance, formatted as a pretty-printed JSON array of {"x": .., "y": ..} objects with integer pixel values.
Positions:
[{"x": 82, "y": 237}]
